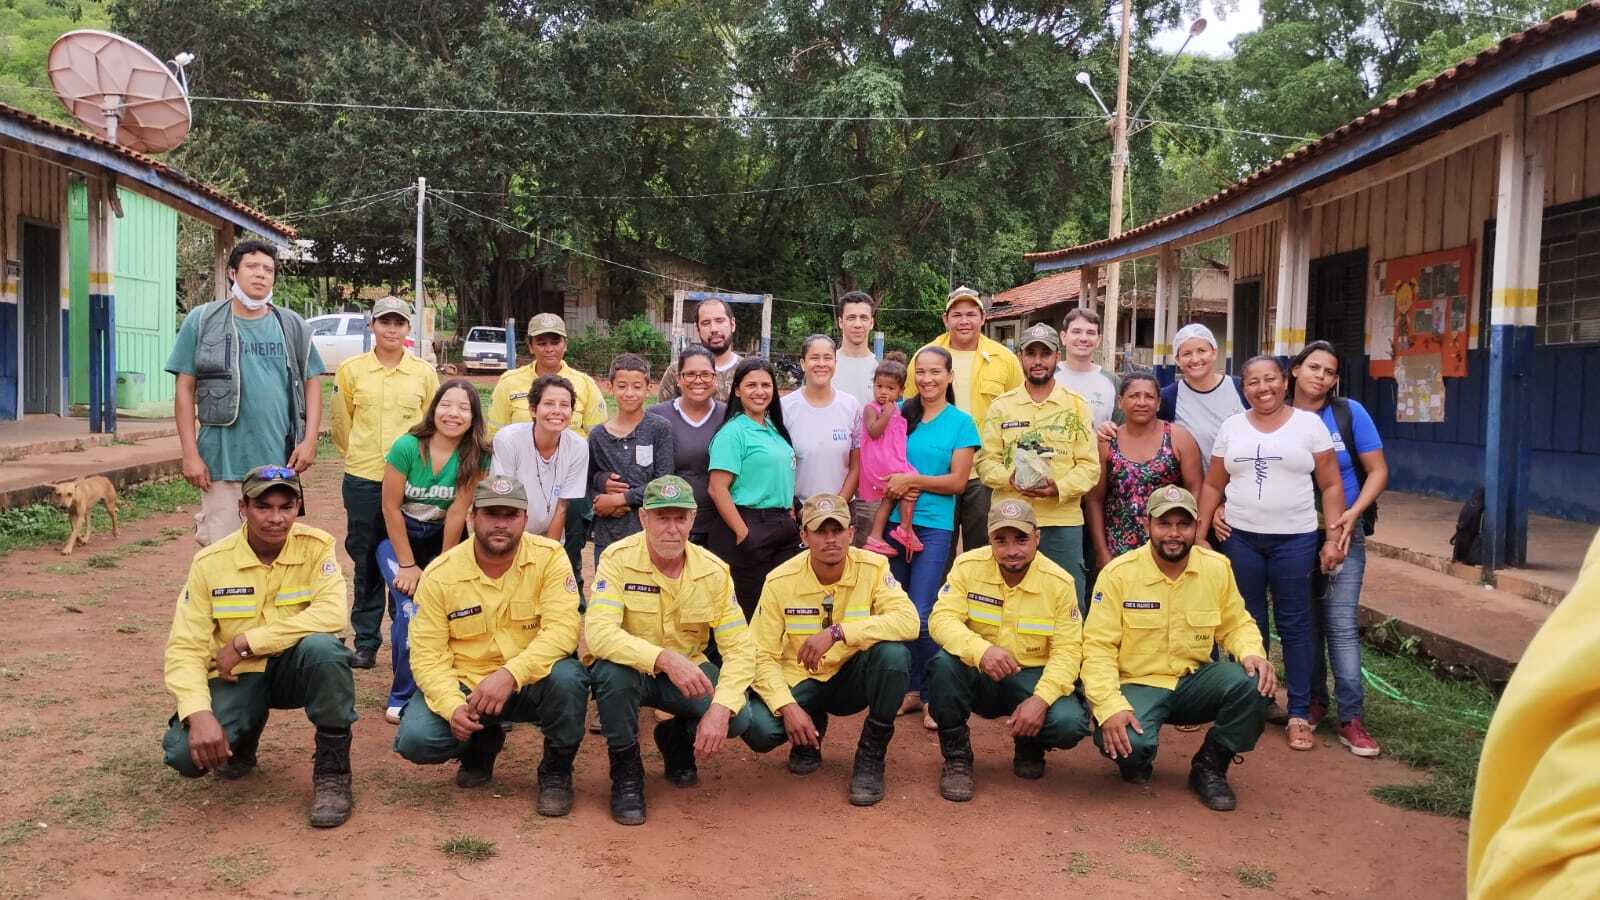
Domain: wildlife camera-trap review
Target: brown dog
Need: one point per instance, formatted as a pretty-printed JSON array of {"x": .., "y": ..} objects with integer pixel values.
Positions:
[{"x": 78, "y": 499}]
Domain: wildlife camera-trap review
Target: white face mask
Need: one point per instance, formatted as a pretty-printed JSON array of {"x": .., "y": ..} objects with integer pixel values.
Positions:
[{"x": 244, "y": 298}]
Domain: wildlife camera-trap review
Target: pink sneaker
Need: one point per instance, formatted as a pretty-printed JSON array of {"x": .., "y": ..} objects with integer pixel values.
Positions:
[
  {"x": 1318, "y": 712},
  {"x": 1355, "y": 737},
  {"x": 877, "y": 545}
]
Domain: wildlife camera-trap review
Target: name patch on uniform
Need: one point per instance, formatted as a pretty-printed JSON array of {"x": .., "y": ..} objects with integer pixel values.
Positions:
[
  {"x": 641, "y": 588},
  {"x": 801, "y": 611},
  {"x": 1016, "y": 423},
  {"x": 232, "y": 591},
  {"x": 519, "y": 395},
  {"x": 980, "y": 598},
  {"x": 1141, "y": 604},
  {"x": 463, "y": 613}
]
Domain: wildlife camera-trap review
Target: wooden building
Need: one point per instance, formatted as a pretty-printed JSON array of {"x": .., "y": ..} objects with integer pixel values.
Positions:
[{"x": 1448, "y": 242}]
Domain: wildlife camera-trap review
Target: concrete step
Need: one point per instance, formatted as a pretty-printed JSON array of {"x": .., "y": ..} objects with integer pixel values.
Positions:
[
  {"x": 30, "y": 479},
  {"x": 74, "y": 443}
]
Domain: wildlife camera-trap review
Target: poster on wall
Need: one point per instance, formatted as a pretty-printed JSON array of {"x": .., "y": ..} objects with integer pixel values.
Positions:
[
  {"x": 1423, "y": 308},
  {"x": 1419, "y": 379}
]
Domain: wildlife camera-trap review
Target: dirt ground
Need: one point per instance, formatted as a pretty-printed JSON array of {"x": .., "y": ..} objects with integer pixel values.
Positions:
[{"x": 88, "y": 810}]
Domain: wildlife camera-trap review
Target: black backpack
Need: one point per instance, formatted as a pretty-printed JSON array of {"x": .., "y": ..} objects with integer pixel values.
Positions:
[
  {"x": 1468, "y": 540},
  {"x": 1347, "y": 432}
]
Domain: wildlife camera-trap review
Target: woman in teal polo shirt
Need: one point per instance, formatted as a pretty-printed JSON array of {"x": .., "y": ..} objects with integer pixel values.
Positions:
[{"x": 752, "y": 483}]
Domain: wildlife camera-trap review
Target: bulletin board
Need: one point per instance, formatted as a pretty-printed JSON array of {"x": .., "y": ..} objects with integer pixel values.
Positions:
[{"x": 1422, "y": 312}]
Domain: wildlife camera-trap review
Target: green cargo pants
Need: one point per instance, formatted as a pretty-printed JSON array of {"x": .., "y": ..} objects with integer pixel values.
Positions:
[
  {"x": 1219, "y": 692},
  {"x": 875, "y": 679},
  {"x": 555, "y": 703},
  {"x": 956, "y": 691},
  {"x": 313, "y": 674},
  {"x": 619, "y": 691}
]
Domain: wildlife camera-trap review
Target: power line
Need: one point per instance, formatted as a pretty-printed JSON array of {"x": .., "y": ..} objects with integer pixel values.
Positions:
[
  {"x": 1224, "y": 130},
  {"x": 1465, "y": 8},
  {"x": 596, "y": 114},
  {"x": 346, "y": 205}
]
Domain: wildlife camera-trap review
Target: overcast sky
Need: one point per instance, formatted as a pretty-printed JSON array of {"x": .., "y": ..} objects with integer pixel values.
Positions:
[{"x": 1219, "y": 32}]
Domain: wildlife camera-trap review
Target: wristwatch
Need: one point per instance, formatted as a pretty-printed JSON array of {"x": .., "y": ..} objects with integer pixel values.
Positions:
[{"x": 838, "y": 633}]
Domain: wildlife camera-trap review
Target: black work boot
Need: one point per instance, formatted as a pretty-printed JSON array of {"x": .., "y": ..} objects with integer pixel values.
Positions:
[
  {"x": 1208, "y": 776},
  {"x": 676, "y": 743},
  {"x": 243, "y": 760},
  {"x": 330, "y": 779},
  {"x": 627, "y": 786},
  {"x": 1027, "y": 759},
  {"x": 866, "y": 781},
  {"x": 364, "y": 659},
  {"x": 477, "y": 760},
  {"x": 955, "y": 778},
  {"x": 555, "y": 780},
  {"x": 804, "y": 760}
]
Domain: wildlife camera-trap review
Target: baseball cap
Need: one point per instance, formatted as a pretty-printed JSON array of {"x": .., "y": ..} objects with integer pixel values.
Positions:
[
  {"x": 1012, "y": 514},
  {"x": 391, "y": 306},
  {"x": 962, "y": 293},
  {"x": 264, "y": 478},
  {"x": 1164, "y": 499},
  {"x": 1040, "y": 334},
  {"x": 500, "y": 491},
  {"x": 820, "y": 508},
  {"x": 668, "y": 492},
  {"x": 546, "y": 323}
]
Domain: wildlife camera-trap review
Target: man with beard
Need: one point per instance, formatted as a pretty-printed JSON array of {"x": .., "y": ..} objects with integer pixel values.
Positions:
[
  {"x": 829, "y": 633},
  {"x": 1012, "y": 638},
  {"x": 492, "y": 641},
  {"x": 713, "y": 322},
  {"x": 1054, "y": 429},
  {"x": 1158, "y": 611},
  {"x": 257, "y": 628},
  {"x": 658, "y": 603}
]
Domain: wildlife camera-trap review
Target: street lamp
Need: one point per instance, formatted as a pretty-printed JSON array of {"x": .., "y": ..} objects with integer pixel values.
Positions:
[
  {"x": 1083, "y": 79},
  {"x": 1196, "y": 28}
]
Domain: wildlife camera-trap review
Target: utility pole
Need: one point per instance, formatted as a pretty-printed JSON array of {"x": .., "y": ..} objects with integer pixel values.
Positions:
[
  {"x": 1119, "y": 166},
  {"x": 416, "y": 319}
]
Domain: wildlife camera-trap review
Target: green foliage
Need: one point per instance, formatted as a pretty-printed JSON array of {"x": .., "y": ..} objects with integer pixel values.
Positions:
[
  {"x": 42, "y": 523},
  {"x": 593, "y": 350},
  {"x": 469, "y": 848},
  {"x": 27, "y": 29},
  {"x": 1445, "y": 737}
]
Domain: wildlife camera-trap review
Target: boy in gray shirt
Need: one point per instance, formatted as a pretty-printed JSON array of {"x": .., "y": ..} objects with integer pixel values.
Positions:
[{"x": 629, "y": 451}]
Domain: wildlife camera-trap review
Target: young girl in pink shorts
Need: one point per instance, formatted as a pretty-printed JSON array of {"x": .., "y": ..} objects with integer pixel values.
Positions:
[{"x": 883, "y": 453}]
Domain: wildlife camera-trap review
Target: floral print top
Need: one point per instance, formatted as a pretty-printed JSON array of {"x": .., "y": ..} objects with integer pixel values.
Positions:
[{"x": 1128, "y": 486}]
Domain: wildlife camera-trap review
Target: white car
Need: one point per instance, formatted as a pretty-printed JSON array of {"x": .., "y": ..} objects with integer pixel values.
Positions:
[
  {"x": 339, "y": 336},
  {"x": 484, "y": 349}
]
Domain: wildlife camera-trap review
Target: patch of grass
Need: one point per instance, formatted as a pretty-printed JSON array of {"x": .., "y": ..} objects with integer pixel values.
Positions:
[
  {"x": 467, "y": 847},
  {"x": 43, "y": 523},
  {"x": 236, "y": 870},
  {"x": 65, "y": 569},
  {"x": 1445, "y": 738},
  {"x": 128, "y": 628},
  {"x": 1149, "y": 847},
  {"x": 173, "y": 532},
  {"x": 104, "y": 561},
  {"x": 1258, "y": 877},
  {"x": 149, "y": 542},
  {"x": 1081, "y": 864},
  {"x": 17, "y": 732},
  {"x": 17, "y": 832},
  {"x": 1186, "y": 863},
  {"x": 126, "y": 785}
]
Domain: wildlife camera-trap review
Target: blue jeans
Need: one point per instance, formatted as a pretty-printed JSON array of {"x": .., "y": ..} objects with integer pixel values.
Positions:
[
  {"x": 921, "y": 578},
  {"x": 426, "y": 540},
  {"x": 1285, "y": 562},
  {"x": 1336, "y": 604},
  {"x": 1063, "y": 545}
]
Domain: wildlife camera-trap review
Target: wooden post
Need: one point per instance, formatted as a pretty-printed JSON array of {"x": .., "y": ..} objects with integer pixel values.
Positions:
[
  {"x": 766, "y": 325},
  {"x": 1227, "y": 343},
  {"x": 1519, "y": 223},
  {"x": 221, "y": 245},
  {"x": 1294, "y": 279},
  {"x": 1166, "y": 275},
  {"x": 675, "y": 330}
]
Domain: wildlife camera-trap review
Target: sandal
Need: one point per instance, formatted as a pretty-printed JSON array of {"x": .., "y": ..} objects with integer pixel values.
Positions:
[
  {"x": 910, "y": 703},
  {"x": 908, "y": 539},
  {"x": 878, "y": 545},
  {"x": 927, "y": 720},
  {"x": 1299, "y": 733}
]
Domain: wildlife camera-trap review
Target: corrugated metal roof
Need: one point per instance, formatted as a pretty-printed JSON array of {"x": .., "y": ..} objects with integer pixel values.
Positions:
[
  {"x": 1509, "y": 48},
  {"x": 267, "y": 223}
]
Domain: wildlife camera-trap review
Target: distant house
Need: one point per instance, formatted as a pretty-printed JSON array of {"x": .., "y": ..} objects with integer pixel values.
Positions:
[
  {"x": 61, "y": 190},
  {"x": 587, "y": 302}
]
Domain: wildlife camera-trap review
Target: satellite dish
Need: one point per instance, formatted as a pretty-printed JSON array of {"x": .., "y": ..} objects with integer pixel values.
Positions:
[{"x": 120, "y": 91}]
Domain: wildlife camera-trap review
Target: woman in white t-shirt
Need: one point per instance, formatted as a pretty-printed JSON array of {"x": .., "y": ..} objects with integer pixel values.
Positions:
[
  {"x": 824, "y": 423},
  {"x": 1269, "y": 464},
  {"x": 551, "y": 460}
]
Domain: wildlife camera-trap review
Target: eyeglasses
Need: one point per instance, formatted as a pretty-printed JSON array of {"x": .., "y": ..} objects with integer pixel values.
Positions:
[
  {"x": 696, "y": 376},
  {"x": 276, "y": 473}
]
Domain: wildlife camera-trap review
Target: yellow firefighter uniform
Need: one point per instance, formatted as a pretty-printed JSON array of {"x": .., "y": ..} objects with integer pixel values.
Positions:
[
  {"x": 373, "y": 404},
  {"x": 1063, "y": 423},
  {"x": 509, "y": 402}
]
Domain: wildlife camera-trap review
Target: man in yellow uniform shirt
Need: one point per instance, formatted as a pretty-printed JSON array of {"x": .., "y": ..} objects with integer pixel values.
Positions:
[
  {"x": 1534, "y": 832},
  {"x": 492, "y": 640},
  {"x": 1158, "y": 611},
  {"x": 983, "y": 370},
  {"x": 658, "y": 603},
  {"x": 256, "y": 628},
  {"x": 828, "y": 634},
  {"x": 547, "y": 341},
  {"x": 377, "y": 397},
  {"x": 1056, "y": 428},
  {"x": 1012, "y": 637}
]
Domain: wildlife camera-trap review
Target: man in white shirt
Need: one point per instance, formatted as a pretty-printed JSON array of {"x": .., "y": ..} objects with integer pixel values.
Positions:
[
  {"x": 1077, "y": 371},
  {"x": 855, "y": 364}
]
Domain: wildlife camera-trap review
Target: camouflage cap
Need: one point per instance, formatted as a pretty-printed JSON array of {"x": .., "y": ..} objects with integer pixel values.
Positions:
[
  {"x": 668, "y": 492},
  {"x": 960, "y": 294},
  {"x": 1012, "y": 514},
  {"x": 1165, "y": 499},
  {"x": 1041, "y": 334},
  {"x": 390, "y": 306},
  {"x": 500, "y": 491},
  {"x": 264, "y": 478},
  {"x": 546, "y": 323},
  {"x": 820, "y": 508}
]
